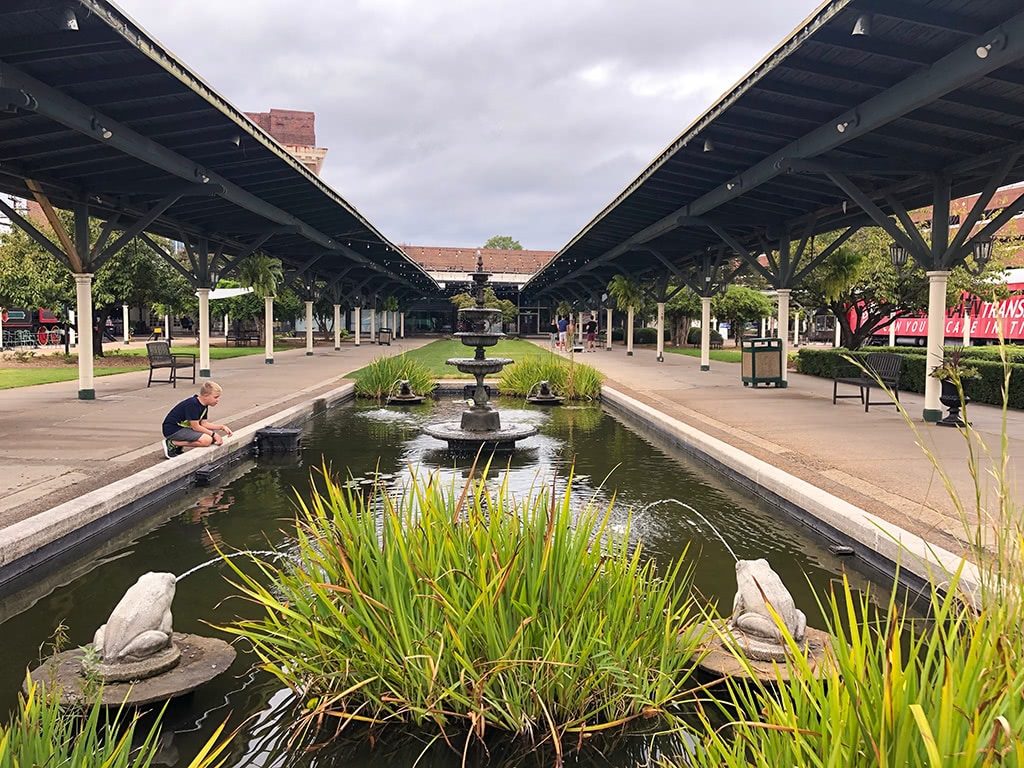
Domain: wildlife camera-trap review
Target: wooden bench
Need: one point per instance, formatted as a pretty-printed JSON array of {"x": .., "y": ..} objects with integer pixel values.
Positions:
[
  {"x": 713, "y": 345},
  {"x": 159, "y": 353},
  {"x": 880, "y": 368}
]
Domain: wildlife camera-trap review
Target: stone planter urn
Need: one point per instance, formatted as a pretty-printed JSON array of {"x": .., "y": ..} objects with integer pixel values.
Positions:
[{"x": 950, "y": 398}]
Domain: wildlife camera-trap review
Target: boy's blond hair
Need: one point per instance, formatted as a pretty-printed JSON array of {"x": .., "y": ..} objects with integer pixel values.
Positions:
[{"x": 210, "y": 388}]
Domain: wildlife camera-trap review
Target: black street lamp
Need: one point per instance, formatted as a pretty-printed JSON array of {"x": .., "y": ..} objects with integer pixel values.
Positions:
[
  {"x": 898, "y": 256},
  {"x": 981, "y": 248}
]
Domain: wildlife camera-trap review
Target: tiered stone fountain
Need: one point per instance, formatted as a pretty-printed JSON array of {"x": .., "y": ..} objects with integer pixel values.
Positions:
[{"x": 480, "y": 426}]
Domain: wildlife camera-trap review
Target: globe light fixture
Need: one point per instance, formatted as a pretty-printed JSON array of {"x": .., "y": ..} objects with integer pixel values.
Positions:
[{"x": 898, "y": 256}]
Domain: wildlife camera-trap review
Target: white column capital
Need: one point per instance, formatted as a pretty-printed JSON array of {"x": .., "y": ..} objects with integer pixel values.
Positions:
[
  {"x": 783, "y": 291},
  {"x": 937, "y": 274},
  {"x": 83, "y": 278}
]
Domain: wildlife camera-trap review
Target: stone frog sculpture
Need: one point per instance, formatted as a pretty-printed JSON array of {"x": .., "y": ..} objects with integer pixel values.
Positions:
[
  {"x": 140, "y": 624},
  {"x": 756, "y": 584}
]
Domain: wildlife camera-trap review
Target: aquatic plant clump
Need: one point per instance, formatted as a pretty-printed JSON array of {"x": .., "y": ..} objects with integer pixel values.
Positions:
[
  {"x": 571, "y": 380},
  {"x": 461, "y": 610},
  {"x": 42, "y": 732},
  {"x": 379, "y": 379}
]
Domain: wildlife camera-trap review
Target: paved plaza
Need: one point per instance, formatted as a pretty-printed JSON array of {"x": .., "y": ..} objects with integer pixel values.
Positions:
[{"x": 54, "y": 447}]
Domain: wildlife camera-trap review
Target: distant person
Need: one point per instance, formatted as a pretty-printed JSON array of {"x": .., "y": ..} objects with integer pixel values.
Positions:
[
  {"x": 553, "y": 331},
  {"x": 186, "y": 425},
  {"x": 590, "y": 329},
  {"x": 563, "y": 329}
]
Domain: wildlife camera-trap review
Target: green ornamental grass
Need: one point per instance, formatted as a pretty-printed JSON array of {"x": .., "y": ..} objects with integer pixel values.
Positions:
[
  {"x": 459, "y": 611},
  {"x": 380, "y": 378},
  {"x": 572, "y": 380},
  {"x": 42, "y": 733}
]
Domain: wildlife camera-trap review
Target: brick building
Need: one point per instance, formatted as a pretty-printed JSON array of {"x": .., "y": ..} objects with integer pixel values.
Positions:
[{"x": 295, "y": 130}]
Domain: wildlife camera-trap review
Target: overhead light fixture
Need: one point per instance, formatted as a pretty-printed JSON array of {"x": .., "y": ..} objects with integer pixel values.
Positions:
[
  {"x": 898, "y": 255},
  {"x": 236, "y": 140},
  {"x": 202, "y": 175},
  {"x": 997, "y": 43},
  {"x": 709, "y": 145},
  {"x": 69, "y": 20},
  {"x": 734, "y": 184},
  {"x": 844, "y": 206},
  {"x": 862, "y": 27},
  {"x": 101, "y": 129},
  {"x": 850, "y": 121}
]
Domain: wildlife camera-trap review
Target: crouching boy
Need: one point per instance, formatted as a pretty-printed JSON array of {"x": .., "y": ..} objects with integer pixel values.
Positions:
[{"x": 186, "y": 425}]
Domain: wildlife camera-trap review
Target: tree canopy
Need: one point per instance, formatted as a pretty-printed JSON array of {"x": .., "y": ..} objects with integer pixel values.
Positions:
[
  {"x": 465, "y": 300},
  {"x": 740, "y": 305},
  {"x": 503, "y": 243}
]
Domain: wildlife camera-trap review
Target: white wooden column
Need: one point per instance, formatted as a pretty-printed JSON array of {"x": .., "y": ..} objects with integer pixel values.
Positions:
[
  {"x": 124, "y": 321},
  {"x": 783, "y": 330},
  {"x": 838, "y": 340},
  {"x": 358, "y": 323},
  {"x": 309, "y": 328},
  {"x": 967, "y": 323},
  {"x": 373, "y": 324},
  {"x": 796, "y": 328},
  {"x": 167, "y": 328},
  {"x": 936, "y": 343},
  {"x": 608, "y": 329},
  {"x": 629, "y": 332},
  {"x": 661, "y": 331},
  {"x": 892, "y": 334},
  {"x": 83, "y": 297},
  {"x": 705, "y": 333},
  {"x": 401, "y": 324},
  {"x": 225, "y": 326},
  {"x": 268, "y": 330},
  {"x": 337, "y": 327},
  {"x": 204, "y": 331}
]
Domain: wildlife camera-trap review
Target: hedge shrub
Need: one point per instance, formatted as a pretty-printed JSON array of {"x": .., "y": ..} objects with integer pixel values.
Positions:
[
  {"x": 987, "y": 388},
  {"x": 693, "y": 336},
  {"x": 641, "y": 335}
]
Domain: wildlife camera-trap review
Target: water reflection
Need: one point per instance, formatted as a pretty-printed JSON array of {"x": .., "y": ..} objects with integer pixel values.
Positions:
[{"x": 253, "y": 508}]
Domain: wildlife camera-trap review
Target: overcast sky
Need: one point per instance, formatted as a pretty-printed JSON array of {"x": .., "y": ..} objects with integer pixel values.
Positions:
[{"x": 448, "y": 121}]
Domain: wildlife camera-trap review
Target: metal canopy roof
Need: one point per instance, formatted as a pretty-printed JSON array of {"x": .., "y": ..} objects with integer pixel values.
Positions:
[
  {"x": 937, "y": 86},
  {"x": 104, "y": 112}
]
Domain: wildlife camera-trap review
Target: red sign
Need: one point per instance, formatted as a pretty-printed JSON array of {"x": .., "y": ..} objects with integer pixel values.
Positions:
[{"x": 985, "y": 320}]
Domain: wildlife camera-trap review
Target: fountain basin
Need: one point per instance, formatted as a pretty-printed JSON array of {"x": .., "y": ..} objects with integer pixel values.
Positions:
[
  {"x": 471, "y": 339},
  {"x": 466, "y": 441},
  {"x": 481, "y": 367}
]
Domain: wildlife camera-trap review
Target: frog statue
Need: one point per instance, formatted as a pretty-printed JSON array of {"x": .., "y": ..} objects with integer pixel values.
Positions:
[
  {"x": 139, "y": 628},
  {"x": 752, "y": 624}
]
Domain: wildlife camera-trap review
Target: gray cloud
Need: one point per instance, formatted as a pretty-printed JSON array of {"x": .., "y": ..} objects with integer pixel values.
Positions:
[{"x": 452, "y": 120}]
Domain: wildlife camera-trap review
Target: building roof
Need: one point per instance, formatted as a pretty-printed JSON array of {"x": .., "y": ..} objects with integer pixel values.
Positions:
[
  {"x": 101, "y": 111},
  {"x": 448, "y": 259},
  {"x": 937, "y": 85}
]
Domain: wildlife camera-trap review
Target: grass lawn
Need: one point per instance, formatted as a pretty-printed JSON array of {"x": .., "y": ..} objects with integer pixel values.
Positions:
[
  {"x": 433, "y": 355},
  {"x": 11, "y": 378},
  {"x": 724, "y": 355}
]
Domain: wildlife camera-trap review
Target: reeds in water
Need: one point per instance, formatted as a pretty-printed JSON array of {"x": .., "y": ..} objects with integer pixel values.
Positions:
[
  {"x": 458, "y": 610},
  {"x": 571, "y": 380}
]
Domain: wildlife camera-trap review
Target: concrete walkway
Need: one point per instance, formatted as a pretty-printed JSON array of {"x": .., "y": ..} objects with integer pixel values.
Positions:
[
  {"x": 54, "y": 447},
  {"x": 872, "y": 460}
]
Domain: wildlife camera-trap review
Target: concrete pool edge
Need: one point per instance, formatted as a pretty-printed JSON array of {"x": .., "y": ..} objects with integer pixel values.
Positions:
[
  {"x": 877, "y": 542},
  {"x": 49, "y": 535}
]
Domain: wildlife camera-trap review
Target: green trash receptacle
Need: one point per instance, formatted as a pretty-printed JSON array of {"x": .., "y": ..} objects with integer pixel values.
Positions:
[{"x": 761, "y": 362}]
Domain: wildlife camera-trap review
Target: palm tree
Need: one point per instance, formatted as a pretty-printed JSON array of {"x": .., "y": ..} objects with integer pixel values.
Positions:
[
  {"x": 628, "y": 296},
  {"x": 263, "y": 274}
]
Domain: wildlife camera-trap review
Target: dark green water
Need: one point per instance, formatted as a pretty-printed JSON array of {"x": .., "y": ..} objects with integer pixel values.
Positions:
[{"x": 252, "y": 510}]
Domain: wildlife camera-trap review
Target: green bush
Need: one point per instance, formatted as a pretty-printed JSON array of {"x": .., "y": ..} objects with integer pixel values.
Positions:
[
  {"x": 649, "y": 335},
  {"x": 460, "y": 609},
  {"x": 570, "y": 379},
  {"x": 377, "y": 380},
  {"x": 693, "y": 336},
  {"x": 987, "y": 388},
  {"x": 618, "y": 334}
]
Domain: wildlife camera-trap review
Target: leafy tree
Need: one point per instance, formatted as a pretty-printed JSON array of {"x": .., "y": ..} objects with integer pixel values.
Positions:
[
  {"x": 865, "y": 292},
  {"x": 261, "y": 273},
  {"x": 504, "y": 243},
  {"x": 679, "y": 312},
  {"x": 740, "y": 305},
  {"x": 508, "y": 308}
]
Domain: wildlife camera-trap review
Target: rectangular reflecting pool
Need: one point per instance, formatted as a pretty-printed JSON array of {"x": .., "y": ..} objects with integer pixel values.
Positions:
[{"x": 650, "y": 488}]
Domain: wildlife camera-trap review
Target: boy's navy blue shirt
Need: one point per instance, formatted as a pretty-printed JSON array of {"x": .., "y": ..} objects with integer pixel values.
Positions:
[{"x": 183, "y": 414}]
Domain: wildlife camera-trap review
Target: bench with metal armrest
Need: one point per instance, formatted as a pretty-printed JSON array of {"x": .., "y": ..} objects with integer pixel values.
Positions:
[
  {"x": 160, "y": 356},
  {"x": 880, "y": 369}
]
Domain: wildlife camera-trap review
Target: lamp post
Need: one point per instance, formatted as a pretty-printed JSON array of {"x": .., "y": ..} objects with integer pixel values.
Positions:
[
  {"x": 981, "y": 249},
  {"x": 898, "y": 256}
]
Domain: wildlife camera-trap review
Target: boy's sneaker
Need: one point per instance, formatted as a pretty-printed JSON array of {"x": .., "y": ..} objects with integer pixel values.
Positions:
[{"x": 171, "y": 450}]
